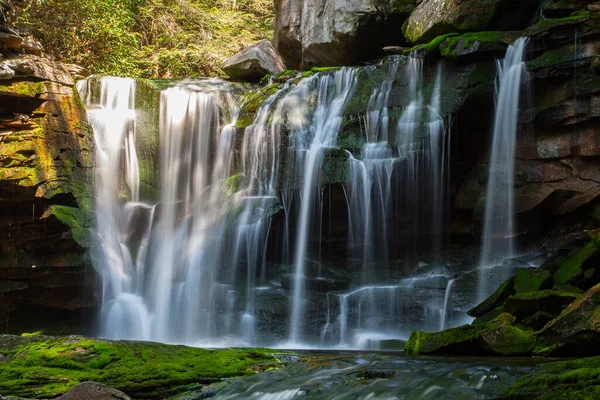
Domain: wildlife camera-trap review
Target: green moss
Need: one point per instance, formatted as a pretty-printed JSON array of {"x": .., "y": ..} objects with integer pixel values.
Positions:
[
  {"x": 232, "y": 184},
  {"x": 47, "y": 367},
  {"x": 486, "y": 41},
  {"x": 444, "y": 342},
  {"x": 434, "y": 44},
  {"x": 553, "y": 57},
  {"x": 540, "y": 294},
  {"x": 251, "y": 102},
  {"x": 572, "y": 268},
  {"x": 334, "y": 168},
  {"x": 565, "y": 380},
  {"x": 32, "y": 333},
  {"x": 76, "y": 219},
  {"x": 543, "y": 25},
  {"x": 508, "y": 340},
  {"x": 25, "y": 88},
  {"x": 531, "y": 280},
  {"x": 495, "y": 300},
  {"x": 316, "y": 70}
]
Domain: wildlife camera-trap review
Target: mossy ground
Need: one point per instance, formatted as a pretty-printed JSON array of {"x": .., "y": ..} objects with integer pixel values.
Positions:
[
  {"x": 566, "y": 380},
  {"x": 46, "y": 367}
]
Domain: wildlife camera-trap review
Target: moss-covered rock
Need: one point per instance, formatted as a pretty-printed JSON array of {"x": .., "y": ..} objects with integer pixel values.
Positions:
[
  {"x": 498, "y": 298},
  {"x": 507, "y": 340},
  {"x": 471, "y": 339},
  {"x": 434, "y": 17},
  {"x": 572, "y": 270},
  {"x": 576, "y": 331},
  {"x": 531, "y": 280},
  {"x": 527, "y": 304},
  {"x": 477, "y": 43},
  {"x": 45, "y": 367}
]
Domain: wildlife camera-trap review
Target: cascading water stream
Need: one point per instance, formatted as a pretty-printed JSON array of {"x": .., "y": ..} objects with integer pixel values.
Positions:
[
  {"x": 124, "y": 314},
  {"x": 198, "y": 264},
  {"x": 333, "y": 92},
  {"x": 499, "y": 220},
  {"x": 395, "y": 170}
]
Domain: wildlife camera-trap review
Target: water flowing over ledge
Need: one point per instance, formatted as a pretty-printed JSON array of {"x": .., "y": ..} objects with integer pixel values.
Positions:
[{"x": 229, "y": 251}]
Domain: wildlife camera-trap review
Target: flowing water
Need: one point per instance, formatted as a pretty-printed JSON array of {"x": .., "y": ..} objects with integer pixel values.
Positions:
[
  {"x": 233, "y": 248},
  {"x": 363, "y": 376},
  {"x": 499, "y": 221}
]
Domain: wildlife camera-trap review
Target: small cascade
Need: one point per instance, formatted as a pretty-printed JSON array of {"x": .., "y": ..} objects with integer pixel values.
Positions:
[
  {"x": 398, "y": 167},
  {"x": 444, "y": 316},
  {"x": 499, "y": 222},
  {"x": 124, "y": 313},
  {"x": 370, "y": 197},
  {"x": 333, "y": 91},
  {"x": 179, "y": 282}
]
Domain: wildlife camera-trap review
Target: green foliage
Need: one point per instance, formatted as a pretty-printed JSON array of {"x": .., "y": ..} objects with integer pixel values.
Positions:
[
  {"x": 46, "y": 367},
  {"x": 149, "y": 38}
]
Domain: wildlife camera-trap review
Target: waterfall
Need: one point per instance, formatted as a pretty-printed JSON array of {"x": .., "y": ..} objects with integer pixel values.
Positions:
[
  {"x": 499, "y": 221},
  {"x": 229, "y": 250}
]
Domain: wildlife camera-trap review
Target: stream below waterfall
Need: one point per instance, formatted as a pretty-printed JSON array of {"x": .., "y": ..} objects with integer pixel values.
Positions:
[{"x": 356, "y": 375}]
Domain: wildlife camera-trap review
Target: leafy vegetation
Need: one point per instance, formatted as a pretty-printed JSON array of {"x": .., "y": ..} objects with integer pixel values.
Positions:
[
  {"x": 45, "y": 367},
  {"x": 148, "y": 38}
]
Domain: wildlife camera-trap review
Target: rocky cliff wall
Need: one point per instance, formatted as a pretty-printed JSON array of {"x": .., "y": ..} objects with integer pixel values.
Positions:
[{"x": 46, "y": 160}]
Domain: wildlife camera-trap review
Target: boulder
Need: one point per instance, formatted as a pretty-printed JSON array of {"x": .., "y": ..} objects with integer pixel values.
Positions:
[
  {"x": 93, "y": 391},
  {"x": 527, "y": 304},
  {"x": 495, "y": 300},
  {"x": 507, "y": 340},
  {"x": 531, "y": 280},
  {"x": 576, "y": 331},
  {"x": 332, "y": 32},
  {"x": 436, "y": 17},
  {"x": 77, "y": 70},
  {"x": 497, "y": 337},
  {"x": 254, "y": 62},
  {"x": 572, "y": 270}
]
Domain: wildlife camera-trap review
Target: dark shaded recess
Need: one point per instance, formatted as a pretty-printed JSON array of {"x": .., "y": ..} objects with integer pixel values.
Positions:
[
  {"x": 11, "y": 103},
  {"x": 583, "y": 344},
  {"x": 509, "y": 20}
]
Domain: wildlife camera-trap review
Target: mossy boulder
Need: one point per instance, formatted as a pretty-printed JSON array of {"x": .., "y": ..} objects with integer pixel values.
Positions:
[
  {"x": 527, "y": 304},
  {"x": 45, "y": 367},
  {"x": 477, "y": 44},
  {"x": 497, "y": 299},
  {"x": 576, "y": 331},
  {"x": 436, "y": 17},
  {"x": 507, "y": 340},
  {"x": 498, "y": 337},
  {"x": 572, "y": 270},
  {"x": 531, "y": 280}
]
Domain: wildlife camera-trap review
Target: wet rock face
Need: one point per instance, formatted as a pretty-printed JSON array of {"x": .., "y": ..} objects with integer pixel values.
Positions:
[
  {"x": 558, "y": 148},
  {"x": 46, "y": 153},
  {"x": 337, "y": 32}
]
